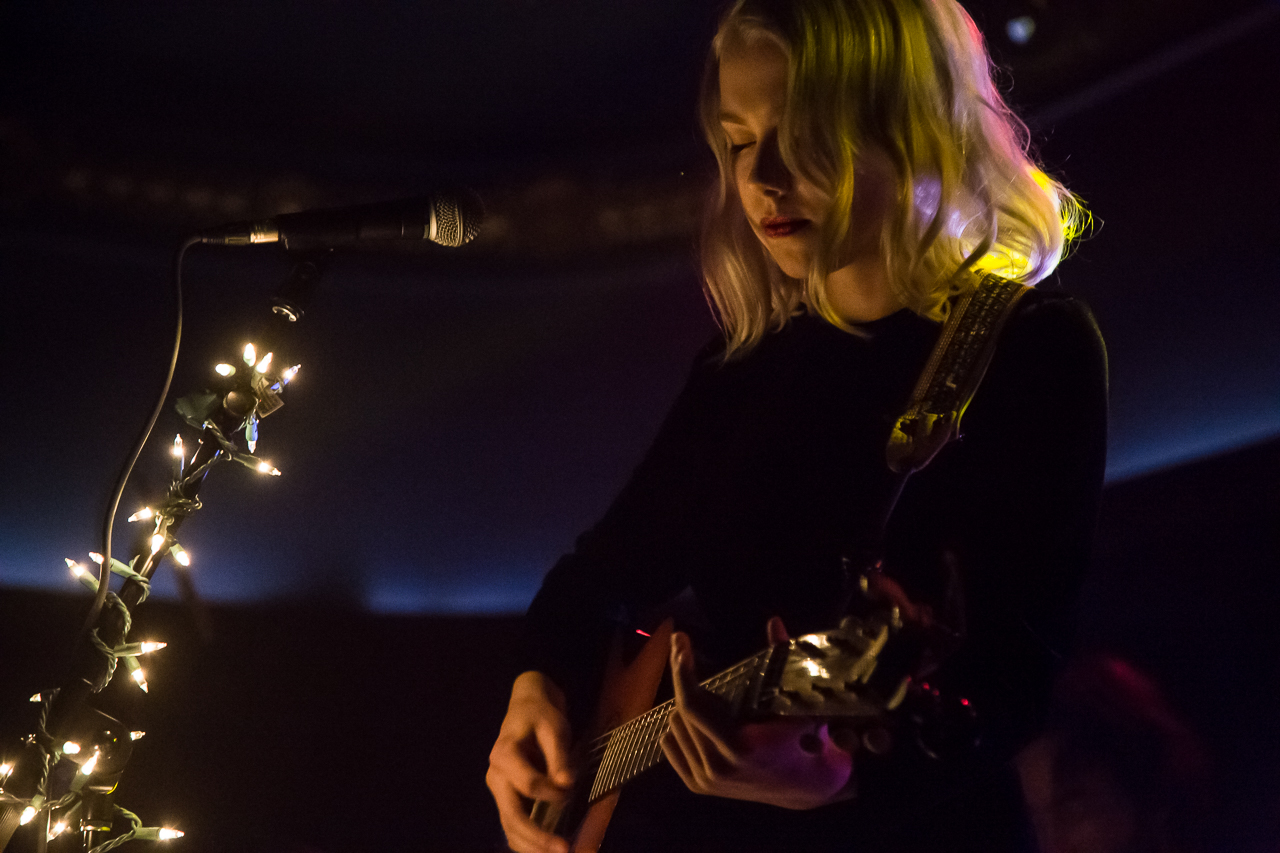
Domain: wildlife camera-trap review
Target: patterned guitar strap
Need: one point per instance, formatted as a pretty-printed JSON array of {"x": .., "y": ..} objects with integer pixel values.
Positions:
[
  {"x": 942, "y": 394},
  {"x": 952, "y": 375}
]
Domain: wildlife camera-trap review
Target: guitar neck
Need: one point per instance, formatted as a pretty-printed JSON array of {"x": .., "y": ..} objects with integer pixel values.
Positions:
[{"x": 619, "y": 755}]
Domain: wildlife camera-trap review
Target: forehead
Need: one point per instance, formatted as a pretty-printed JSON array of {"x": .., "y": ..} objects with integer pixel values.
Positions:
[{"x": 753, "y": 78}]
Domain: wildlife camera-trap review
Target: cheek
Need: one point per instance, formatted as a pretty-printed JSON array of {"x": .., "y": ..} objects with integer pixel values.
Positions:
[{"x": 741, "y": 178}]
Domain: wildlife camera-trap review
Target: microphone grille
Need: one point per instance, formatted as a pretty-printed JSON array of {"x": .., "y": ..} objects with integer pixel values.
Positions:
[{"x": 458, "y": 217}]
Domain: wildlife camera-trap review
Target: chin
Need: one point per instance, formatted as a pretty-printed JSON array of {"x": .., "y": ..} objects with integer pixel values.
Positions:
[{"x": 792, "y": 267}]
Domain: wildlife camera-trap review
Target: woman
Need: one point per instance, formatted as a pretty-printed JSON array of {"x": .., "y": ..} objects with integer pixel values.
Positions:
[{"x": 868, "y": 170}]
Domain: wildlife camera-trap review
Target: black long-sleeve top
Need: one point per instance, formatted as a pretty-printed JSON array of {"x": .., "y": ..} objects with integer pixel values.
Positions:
[{"x": 771, "y": 467}]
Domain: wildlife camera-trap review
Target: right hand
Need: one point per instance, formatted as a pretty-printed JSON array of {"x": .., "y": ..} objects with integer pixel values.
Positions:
[{"x": 530, "y": 761}]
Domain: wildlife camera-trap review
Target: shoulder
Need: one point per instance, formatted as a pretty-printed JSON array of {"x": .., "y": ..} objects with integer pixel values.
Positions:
[
  {"x": 1051, "y": 329},
  {"x": 1055, "y": 313}
]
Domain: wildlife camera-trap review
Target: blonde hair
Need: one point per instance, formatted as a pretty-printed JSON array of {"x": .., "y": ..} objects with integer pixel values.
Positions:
[{"x": 911, "y": 79}]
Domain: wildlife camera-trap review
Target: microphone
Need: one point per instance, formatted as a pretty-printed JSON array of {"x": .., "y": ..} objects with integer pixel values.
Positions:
[{"x": 448, "y": 217}]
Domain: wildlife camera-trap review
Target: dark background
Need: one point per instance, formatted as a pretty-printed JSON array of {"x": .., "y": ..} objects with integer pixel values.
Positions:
[{"x": 460, "y": 417}]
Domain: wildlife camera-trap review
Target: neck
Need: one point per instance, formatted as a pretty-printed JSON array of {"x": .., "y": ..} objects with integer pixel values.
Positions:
[{"x": 860, "y": 292}]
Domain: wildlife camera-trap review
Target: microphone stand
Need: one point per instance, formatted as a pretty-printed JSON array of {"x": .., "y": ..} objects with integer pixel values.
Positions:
[{"x": 71, "y": 730}]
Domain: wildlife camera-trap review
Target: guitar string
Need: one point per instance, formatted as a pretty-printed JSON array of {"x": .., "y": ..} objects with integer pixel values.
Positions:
[
  {"x": 712, "y": 684},
  {"x": 640, "y": 738}
]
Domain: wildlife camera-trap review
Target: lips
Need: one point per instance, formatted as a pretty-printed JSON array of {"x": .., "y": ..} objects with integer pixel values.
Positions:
[{"x": 781, "y": 226}]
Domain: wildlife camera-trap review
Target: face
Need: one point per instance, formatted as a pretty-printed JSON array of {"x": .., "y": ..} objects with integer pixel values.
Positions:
[{"x": 786, "y": 211}]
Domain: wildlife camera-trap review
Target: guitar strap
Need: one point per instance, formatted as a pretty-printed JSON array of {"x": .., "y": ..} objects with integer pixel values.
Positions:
[
  {"x": 946, "y": 385},
  {"x": 953, "y": 373}
]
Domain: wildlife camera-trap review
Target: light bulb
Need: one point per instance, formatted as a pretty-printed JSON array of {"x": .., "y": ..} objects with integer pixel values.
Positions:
[
  {"x": 5, "y": 769},
  {"x": 225, "y": 370},
  {"x": 57, "y": 829},
  {"x": 157, "y": 542},
  {"x": 167, "y": 834},
  {"x": 178, "y": 452},
  {"x": 142, "y": 514},
  {"x": 265, "y": 468},
  {"x": 264, "y": 364},
  {"x": 36, "y": 697},
  {"x": 250, "y": 354},
  {"x": 87, "y": 768},
  {"x": 180, "y": 554},
  {"x": 96, "y": 557},
  {"x": 288, "y": 375},
  {"x": 140, "y": 678},
  {"x": 137, "y": 735},
  {"x": 81, "y": 574},
  {"x": 152, "y": 647},
  {"x": 27, "y": 814},
  {"x": 71, "y": 748}
]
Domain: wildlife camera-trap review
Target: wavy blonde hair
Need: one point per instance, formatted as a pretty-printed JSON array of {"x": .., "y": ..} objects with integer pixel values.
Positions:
[{"x": 912, "y": 79}]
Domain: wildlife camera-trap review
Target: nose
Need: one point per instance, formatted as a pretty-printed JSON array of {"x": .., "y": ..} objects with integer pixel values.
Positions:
[{"x": 769, "y": 172}]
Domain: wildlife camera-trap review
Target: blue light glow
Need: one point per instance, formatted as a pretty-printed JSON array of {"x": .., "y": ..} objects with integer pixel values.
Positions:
[{"x": 1020, "y": 29}]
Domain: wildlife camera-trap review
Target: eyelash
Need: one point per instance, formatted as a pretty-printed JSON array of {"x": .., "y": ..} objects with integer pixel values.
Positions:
[{"x": 738, "y": 149}]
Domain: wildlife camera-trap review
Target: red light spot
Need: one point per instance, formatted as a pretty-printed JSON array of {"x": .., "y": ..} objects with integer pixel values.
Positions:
[
  {"x": 642, "y": 633},
  {"x": 964, "y": 702}
]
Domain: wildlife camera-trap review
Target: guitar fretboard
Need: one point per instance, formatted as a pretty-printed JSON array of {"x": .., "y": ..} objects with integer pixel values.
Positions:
[{"x": 618, "y": 756}]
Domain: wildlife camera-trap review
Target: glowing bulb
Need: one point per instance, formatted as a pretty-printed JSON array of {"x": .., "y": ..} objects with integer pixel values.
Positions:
[
  {"x": 71, "y": 748},
  {"x": 87, "y": 768},
  {"x": 250, "y": 354},
  {"x": 37, "y": 697},
  {"x": 288, "y": 375},
  {"x": 1020, "y": 29},
  {"x": 81, "y": 574},
  {"x": 167, "y": 834},
  {"x": 225, "y": 370},
  {"x": 264, "y": 364},
  {"x": 27, "y": 814},
  {"x": 180, "y": 554},
  {"x": 265, "y": 468},
  {"x": 96, "y": 557},
  {"x": 139, "y": 678},
  {"x": 137, "y": 735},
  {"x": 152, "y": 647},
  {"x": 5, "y": 770},
  {"x": 142, "y": 514},
  {"x": 57, "y": 829},
  {"x": 178, "y": 452},
  {"x": 157, "y": 542}
]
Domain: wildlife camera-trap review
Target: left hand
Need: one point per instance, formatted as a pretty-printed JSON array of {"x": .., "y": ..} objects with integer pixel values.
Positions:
[{"x": 792, "y": 763}]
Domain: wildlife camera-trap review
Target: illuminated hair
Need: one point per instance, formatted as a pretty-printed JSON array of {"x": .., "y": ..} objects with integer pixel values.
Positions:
[{"x": 912, "y": 79}]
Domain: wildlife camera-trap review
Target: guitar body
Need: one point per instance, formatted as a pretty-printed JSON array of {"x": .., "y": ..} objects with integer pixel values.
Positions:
[{"x": 628, "y": 691}]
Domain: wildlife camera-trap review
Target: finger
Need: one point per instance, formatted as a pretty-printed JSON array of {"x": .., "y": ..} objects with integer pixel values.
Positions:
[
  {"x": 511, "y": 763},
  {"x": 553, "y": 740},
  {"x": 679, "y": 761},
  {"x": 776, "y": 631},
  {"x": 523, "y": 835},
  {"x": 684, "y": 759},
  {"x": 697, "y": 706}
]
